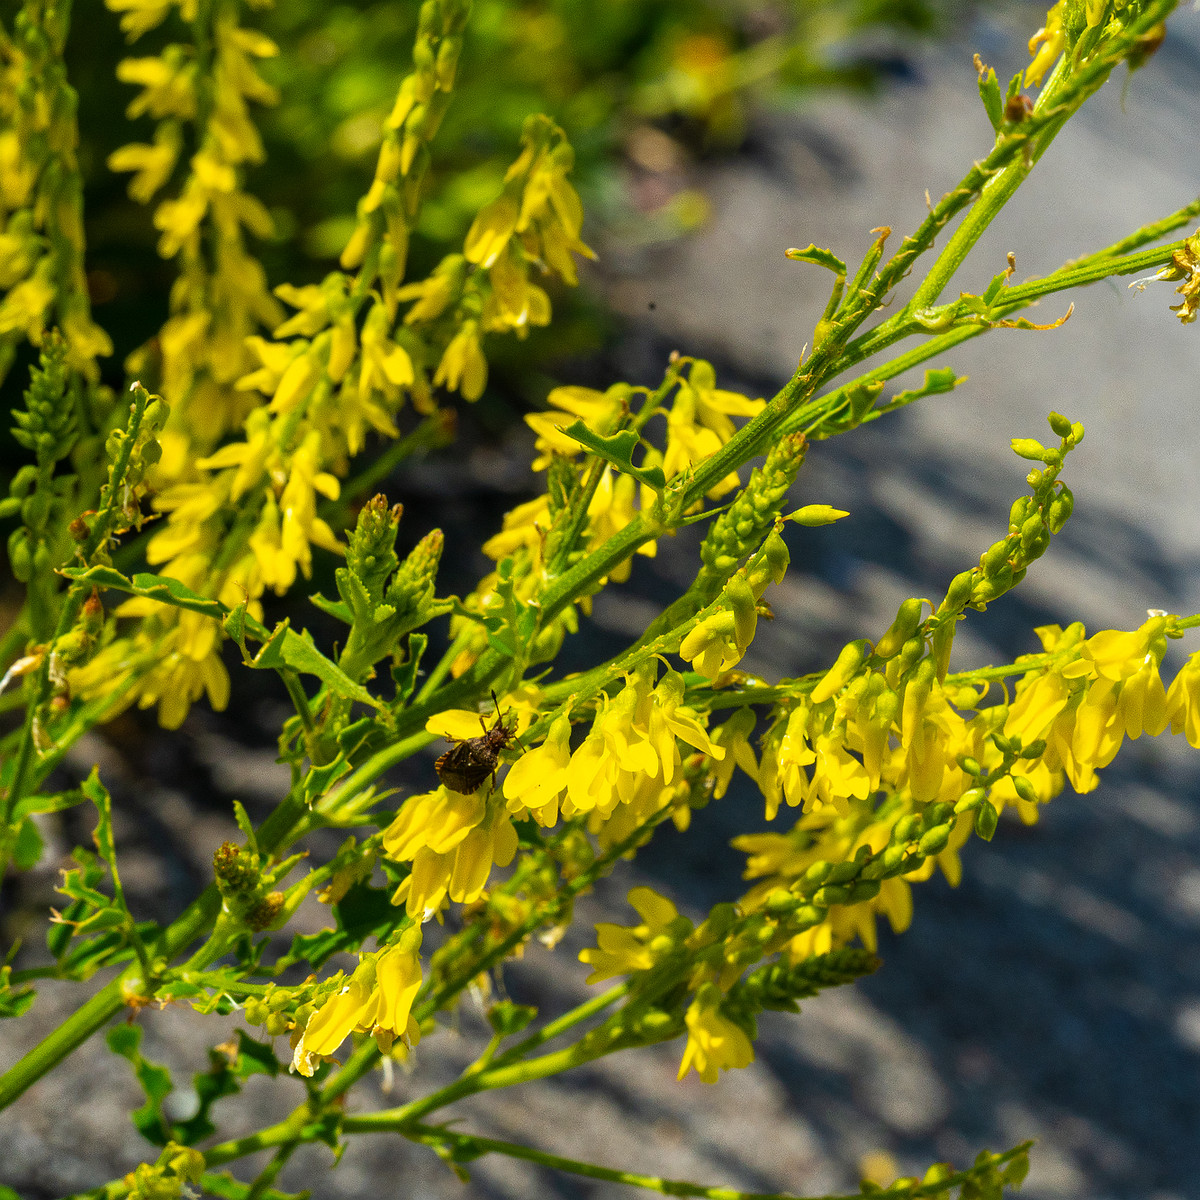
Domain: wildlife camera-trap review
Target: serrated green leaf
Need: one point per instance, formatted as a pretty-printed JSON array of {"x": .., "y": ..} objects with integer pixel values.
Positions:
[
  {"x": 334, "y": 608},
  {"x": 937, "y": 381},
  {"x": 364, "y": 911},
  {"x": 993, "y": 102},
  {"x": 154, "y": 1080},
  {"x": 255, "y": 1058},
  {"x": 41, "y": 802},
  {"x": 618, "y": 450},
  {"x": 404, "y": 675},
  {"x": 320, "y": 779},
  {"x": 814, "y": 254},
  {"x": 290, "y": 649},
  {"x": 210, "y": 1086}
]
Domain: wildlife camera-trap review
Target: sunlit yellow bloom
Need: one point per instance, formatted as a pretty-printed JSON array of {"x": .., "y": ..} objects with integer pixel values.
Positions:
[
  {"x": 622, "y": 949},
  {"x": 377, "y": 999},
  {"x": 713, "y": 407},
  {"x": 599, "y": 411},
  {"x": 711, "y": 645},
  {"x": 714, "y": 1042},
  {"x": 537, "y": 781}
]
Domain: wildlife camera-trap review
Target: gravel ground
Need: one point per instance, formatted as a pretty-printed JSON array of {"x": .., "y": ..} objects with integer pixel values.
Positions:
[{"x": 1056, "y": 993}]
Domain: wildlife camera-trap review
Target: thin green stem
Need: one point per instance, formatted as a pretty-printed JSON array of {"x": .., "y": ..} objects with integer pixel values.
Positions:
[{"x": 468, "y": 1146}]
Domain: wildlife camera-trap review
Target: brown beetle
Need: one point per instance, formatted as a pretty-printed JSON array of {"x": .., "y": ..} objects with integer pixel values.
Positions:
[{"x": 465, "y": 766}]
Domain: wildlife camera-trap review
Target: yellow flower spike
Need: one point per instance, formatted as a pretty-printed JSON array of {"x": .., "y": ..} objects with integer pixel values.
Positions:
[{"x": 714, "y": 1042}]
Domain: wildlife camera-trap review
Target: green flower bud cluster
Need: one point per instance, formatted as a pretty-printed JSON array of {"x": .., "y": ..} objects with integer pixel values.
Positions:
[
  {"x": 47, "y": 426},
  {"x": 914, "y": 838},
  {"x": 1032, "y": 519},
  {"x": 380, "y": 611},
  {"x": 169, "y": 1178},
  {"x": 240, "y": 880},
  {"x": 739, "y": 529},
  {"x": 279, "y": 1010},
  {"x": 371, "y": 549},
  {"x": 778, "y": 985}
]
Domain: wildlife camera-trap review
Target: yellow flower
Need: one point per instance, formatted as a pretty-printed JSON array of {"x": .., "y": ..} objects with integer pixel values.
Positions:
[
  {"x": 1183, "y": 701},
  {"x": 1046, "y": 45},
  {"x": 377, "y": 998},
  {"x": 537, "y": 781},
  {"x": 712, "y": 406},
  {"x": 463, "y": 366},
  {"x": 622, "y": 949},
  {"x": 714, "y": 1041},
  {"x": 153, "y": 164},
  {"x": 711, "y": 645}
]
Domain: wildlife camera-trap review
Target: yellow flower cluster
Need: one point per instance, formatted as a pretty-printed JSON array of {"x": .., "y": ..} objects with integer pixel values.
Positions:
[
  {"x": 243, "y": 517},
  {"x": 880, "y": 760},
  {"x": 221, "y": 296},
  {"x": 376, "y": 999},
  {"x": 699, "y": 421},
  {"x": 41, "y": 198},
  {"x": 533, "y": 224}
]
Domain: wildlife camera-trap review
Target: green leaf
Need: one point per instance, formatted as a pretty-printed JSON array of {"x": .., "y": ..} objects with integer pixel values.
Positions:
[
  {"x": 296, "y": 650},
  {"x": 255, "y": 1058},
  {"x": 363, "y": 912},
  {"x": 28, "y": 846},
  {"x": 155, "y": 1082},
  {"x": 937, "y": 381},
  {"x": 13, "y": 1000},
  {"x": 320, "y": 779},
  {"x": 284, "y": 648},
  {"x": 404, "y": 675},
  {"x": 219, "y": 1080},
  {"x": 335, "y": 608},
  {"x": 814, "y": 254},
  {"x": 225, "y": 1187},
  {"x": 41, "y": 802},
  {"x": 989, "y": 93},
  {"x": 617, "y": 450}
]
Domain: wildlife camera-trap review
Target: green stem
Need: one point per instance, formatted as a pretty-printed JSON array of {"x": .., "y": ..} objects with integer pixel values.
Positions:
[{"x": 469, "y": 1146}]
